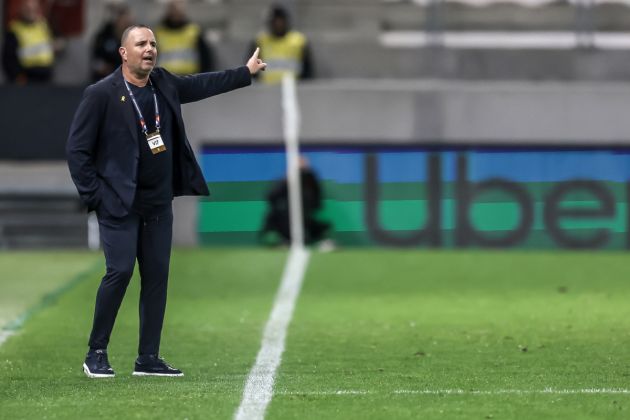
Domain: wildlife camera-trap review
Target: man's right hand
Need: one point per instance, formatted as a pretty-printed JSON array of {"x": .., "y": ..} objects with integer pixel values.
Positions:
[{"x": 255, "y": 64}]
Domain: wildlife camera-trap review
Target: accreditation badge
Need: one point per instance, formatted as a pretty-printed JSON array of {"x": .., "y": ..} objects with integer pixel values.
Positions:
[{"x": 156, "y": 144}]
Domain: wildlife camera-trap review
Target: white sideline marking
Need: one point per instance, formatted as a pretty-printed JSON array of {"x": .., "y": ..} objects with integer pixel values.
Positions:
[
  {"x": 4, "y": 335},
  {"x": 552, "y": 391},
  {"x": 259, "y": 387}
]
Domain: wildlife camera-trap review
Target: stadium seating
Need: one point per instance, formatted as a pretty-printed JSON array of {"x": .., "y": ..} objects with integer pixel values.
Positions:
[
  {"x": 29, "y": 220},
  {"x": 396, "y": 32},
  {"x": 39, "y": 207}
]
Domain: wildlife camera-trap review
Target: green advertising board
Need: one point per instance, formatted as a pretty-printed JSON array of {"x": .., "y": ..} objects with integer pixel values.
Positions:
[{"x": 501, "y": 197}]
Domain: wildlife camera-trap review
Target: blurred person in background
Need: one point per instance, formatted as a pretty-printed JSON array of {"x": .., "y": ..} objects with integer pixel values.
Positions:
[
  {"x": 276, "y": 228},
  {"x": 105, "y": 56},
  {"x": 28, "y": 53},
  {"x": 283, "y": 49},
  {"x": 129, "y": 156},
  {"x": 183, "y": 49}
]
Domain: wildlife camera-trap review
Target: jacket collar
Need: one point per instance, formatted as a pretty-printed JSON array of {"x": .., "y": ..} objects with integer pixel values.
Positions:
[
  {"x": 167, "y": 90},
  {"x": 121, "y": 96},
  {"x": 128, "y": 111}
]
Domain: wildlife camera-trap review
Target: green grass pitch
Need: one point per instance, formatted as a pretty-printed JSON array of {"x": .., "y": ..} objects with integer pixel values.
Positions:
[{"x": 375, "y": 334}]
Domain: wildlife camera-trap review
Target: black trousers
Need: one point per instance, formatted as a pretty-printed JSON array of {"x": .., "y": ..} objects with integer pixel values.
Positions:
[{"x": 146, "y": 237}]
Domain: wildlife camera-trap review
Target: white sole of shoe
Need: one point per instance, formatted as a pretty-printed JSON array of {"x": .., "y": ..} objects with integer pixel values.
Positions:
[
  {"x": 95, "y": 375},
  {"x": 156, "y": 374}
]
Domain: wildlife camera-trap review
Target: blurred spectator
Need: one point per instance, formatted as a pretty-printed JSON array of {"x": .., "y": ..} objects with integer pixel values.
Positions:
[
  {"x": 180, "y": 42},
  {"x": 276, "y": 229},
  {"x": 284, "y": 50},
  {"x": 105, "y": 56},
  {"x": 28, "y": 54}
]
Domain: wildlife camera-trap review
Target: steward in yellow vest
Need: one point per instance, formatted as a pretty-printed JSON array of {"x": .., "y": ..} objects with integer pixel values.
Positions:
[
  {"x": 28, "y": 54},
  {"x": 284, "y": 50},
  {"x": 182, "y": 49}
]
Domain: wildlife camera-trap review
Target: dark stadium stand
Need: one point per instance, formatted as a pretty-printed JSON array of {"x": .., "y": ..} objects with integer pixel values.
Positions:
[
  {"x": 347, "y": 30},
  {"x": 39, "y": 207},
  {"x": 32, "y": 220}
]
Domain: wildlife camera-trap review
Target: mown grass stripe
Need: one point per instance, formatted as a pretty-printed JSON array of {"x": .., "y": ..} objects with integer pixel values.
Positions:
[{"x": 46, "y": 301}]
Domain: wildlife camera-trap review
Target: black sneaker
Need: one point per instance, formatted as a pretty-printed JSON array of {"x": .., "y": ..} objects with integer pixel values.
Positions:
[
  {"x": 153, "y": 365},
  {"x": 96, "y": 365}
]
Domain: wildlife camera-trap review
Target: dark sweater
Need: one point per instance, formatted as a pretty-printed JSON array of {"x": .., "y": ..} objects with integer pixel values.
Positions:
[{"x": 155, "y": 172}]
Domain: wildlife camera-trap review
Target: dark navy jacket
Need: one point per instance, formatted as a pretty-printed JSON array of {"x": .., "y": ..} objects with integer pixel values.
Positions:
[{"x": 102, "y": 147}]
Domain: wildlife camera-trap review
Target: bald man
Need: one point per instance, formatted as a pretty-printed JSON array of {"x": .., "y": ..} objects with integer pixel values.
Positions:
[{"x": 129, "y": 156}]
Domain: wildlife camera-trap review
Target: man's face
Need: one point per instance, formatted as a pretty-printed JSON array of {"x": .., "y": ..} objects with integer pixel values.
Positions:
[
  {"x": 139, "y": 51},
  {"x": 176, "y": 11},
  {"x": 279, "y": 26},
  {"x": 30, "y": 10}
]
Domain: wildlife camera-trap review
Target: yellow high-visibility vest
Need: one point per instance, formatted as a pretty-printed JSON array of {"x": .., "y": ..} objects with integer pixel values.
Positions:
[
  {"x": 177, "y": 49},
  {"x": 34, "y": 43},
  {"x": 282, "y": 55}
]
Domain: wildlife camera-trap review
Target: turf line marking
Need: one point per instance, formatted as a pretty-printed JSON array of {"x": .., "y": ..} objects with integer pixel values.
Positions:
[
  {"x": 545, "y": 391},
  {"x": 259, "y": 386},
  {"x": 4, "y": 335},
  {"x": 47, "y": 300}
]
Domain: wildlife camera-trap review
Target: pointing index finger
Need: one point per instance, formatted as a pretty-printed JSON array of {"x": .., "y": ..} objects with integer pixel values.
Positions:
[{"x": 256, "y": 52}]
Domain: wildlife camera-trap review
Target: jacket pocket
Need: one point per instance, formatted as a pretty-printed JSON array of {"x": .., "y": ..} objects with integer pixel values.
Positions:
[{"x": 110, "y": 202}]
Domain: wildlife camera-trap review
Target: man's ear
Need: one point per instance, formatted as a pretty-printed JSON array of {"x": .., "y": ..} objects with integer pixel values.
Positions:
[{"x": 123, "y": 53}]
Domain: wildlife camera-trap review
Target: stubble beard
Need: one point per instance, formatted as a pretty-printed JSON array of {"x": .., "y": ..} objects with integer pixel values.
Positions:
[{"x": 141, "y": 72}]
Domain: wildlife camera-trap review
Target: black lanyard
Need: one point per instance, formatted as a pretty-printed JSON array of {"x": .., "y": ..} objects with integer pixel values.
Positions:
[{"x": 143, "y": 124}]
